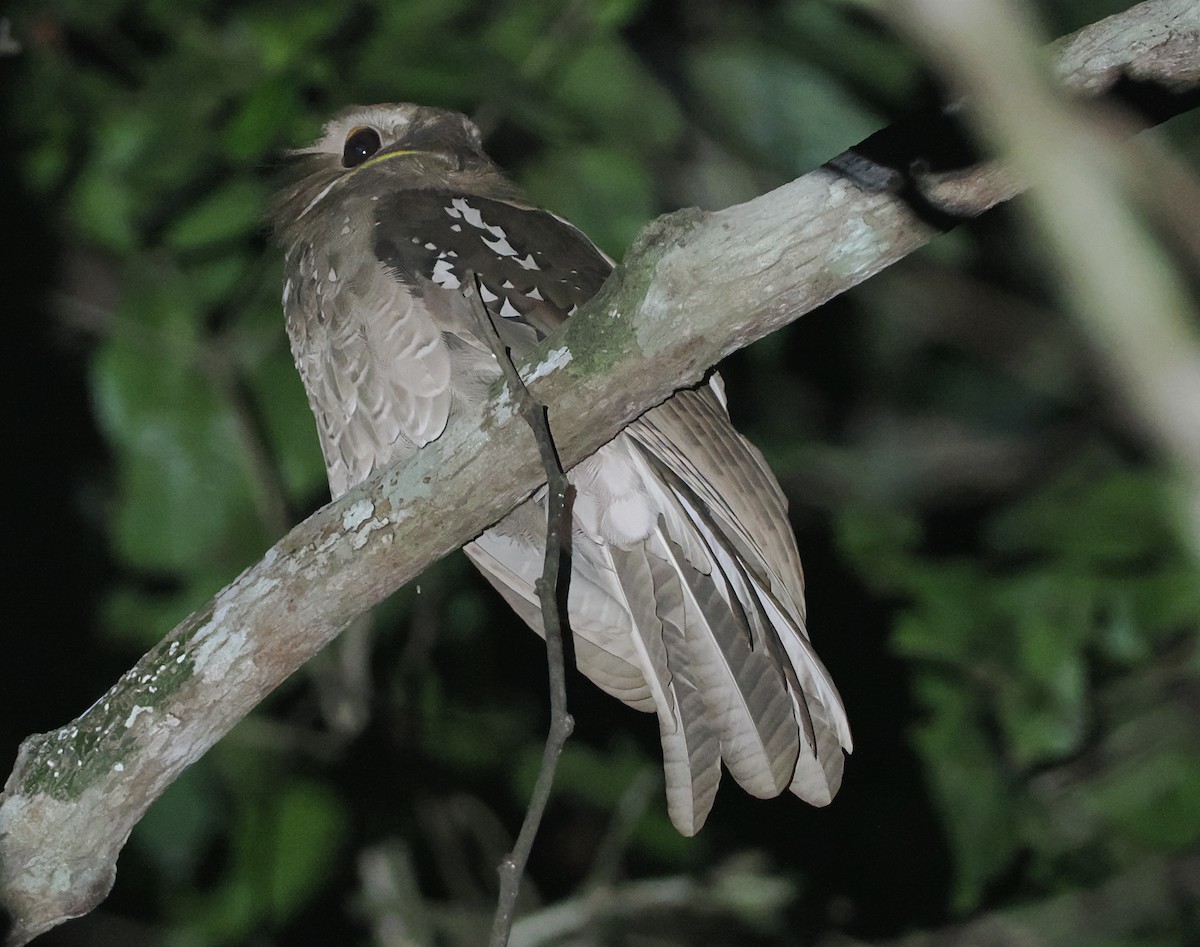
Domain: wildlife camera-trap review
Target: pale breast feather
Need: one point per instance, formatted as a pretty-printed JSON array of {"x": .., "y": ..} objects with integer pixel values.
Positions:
[{"x": 375, "y": 367}]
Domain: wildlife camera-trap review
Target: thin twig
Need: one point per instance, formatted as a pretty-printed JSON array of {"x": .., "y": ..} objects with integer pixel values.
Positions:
[{"x": 552, "y": 594}]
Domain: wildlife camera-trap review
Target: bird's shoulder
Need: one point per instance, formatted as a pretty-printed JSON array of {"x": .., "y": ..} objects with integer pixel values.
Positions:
[{"x": 535, "y": 267}]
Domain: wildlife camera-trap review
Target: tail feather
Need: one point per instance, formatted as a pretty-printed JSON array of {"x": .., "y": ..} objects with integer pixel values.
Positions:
[
  {"x": 692, "y": 747},
  {"x": 743, "y": 691},
  {"x": 819, "y": 769},
  {"x": 606, "y": 661},
  {"x": 779, "y": 631},
  {"x": 700, "y": 617},
  {"x": 636, "y": 587}
]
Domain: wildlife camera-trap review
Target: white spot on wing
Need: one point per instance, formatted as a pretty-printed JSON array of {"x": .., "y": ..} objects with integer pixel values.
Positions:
[
  {"x": 443, "y": 275},
  {"x": 469, "y": 213},
  {"x": 501, "y": 246}
]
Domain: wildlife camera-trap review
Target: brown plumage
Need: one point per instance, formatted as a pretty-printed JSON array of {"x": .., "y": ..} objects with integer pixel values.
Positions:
[{"x": 686, "y": 594}]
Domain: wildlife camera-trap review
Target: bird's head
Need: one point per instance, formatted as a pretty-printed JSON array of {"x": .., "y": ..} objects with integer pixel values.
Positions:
[{"x": 367, "y": 151}]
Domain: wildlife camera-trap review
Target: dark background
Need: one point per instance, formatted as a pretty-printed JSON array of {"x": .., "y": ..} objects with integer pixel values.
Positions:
[{"x": 996, "y": 576}]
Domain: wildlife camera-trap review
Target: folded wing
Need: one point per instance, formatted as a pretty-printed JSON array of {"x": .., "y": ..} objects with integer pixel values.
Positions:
[{"x": 687, "y": 599}]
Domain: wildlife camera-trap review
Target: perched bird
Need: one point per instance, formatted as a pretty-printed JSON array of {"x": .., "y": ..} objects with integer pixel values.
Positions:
[{"x": 686, "y": 595}]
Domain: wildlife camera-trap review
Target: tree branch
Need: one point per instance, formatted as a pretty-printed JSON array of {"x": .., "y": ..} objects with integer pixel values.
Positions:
[{"x": 694, "y": 288}]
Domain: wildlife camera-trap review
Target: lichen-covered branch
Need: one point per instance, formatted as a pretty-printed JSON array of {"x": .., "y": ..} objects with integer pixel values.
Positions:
[{"x": 694, "y": 288}]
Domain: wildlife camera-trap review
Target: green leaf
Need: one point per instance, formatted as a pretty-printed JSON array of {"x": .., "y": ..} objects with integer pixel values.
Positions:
[
  {"x": 107, "y": 198},
  {"x": 583, "y": 772},
  {"x": 185, "y": 502},
  {"x": 879, "y": 541},
  {"x": 854, "y": 50},
  {"x": 789, "y": 114},
  {"x": 468, "y": 739},
  {"x": 952, "y": 616},
  {"x": 284, "y": 839},
  {"x": 605, "y": 192},
  {"x": 138, "y": 618},
  {"x": 974, "y": 793},
  {"x": 258, "y": 127},
  {"x": 310, "y": 826},
  {"x": 616, "y": 13},
  {"x": 1093, "y": 513},
  {"x": 1155, "y": 805},
  {"x": 177, "y": 829},
  {"x": 233, "y": 211},
  {"x": 604, "y": 85},
  {"x": 289, "y": 428}
]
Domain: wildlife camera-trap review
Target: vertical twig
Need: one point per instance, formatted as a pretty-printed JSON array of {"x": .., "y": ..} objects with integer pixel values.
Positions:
[{"x": 552, "y": 594}]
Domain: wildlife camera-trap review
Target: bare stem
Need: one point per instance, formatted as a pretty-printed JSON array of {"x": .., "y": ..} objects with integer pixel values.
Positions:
[{"x": 552, "y": 594}]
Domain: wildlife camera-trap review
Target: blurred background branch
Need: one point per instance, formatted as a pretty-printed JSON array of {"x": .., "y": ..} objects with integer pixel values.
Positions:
[{"x": 1094, "y": 203}]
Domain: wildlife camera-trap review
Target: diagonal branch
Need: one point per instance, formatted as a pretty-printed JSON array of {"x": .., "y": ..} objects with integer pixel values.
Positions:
[{"x": 694, "y": 288}]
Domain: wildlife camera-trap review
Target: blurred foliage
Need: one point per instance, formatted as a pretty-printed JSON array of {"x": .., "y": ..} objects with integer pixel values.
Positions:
[
  {"x": 1075, "y": 585},
  {"x": 995, "y": 573}
]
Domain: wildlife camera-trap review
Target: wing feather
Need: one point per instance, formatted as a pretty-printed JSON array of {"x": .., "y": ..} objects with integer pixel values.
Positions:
[
  {"x": 692, "y": 747},
  {"x": 716, "y": 489},
  {"x": 634, "y": 587},
  {"x": 743, "y": 691},
  {"x": 692, "y": 435}
]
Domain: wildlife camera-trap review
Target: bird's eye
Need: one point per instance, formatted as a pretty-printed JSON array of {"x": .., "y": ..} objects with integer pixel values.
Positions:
[{"x": 361, "y": 143}]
